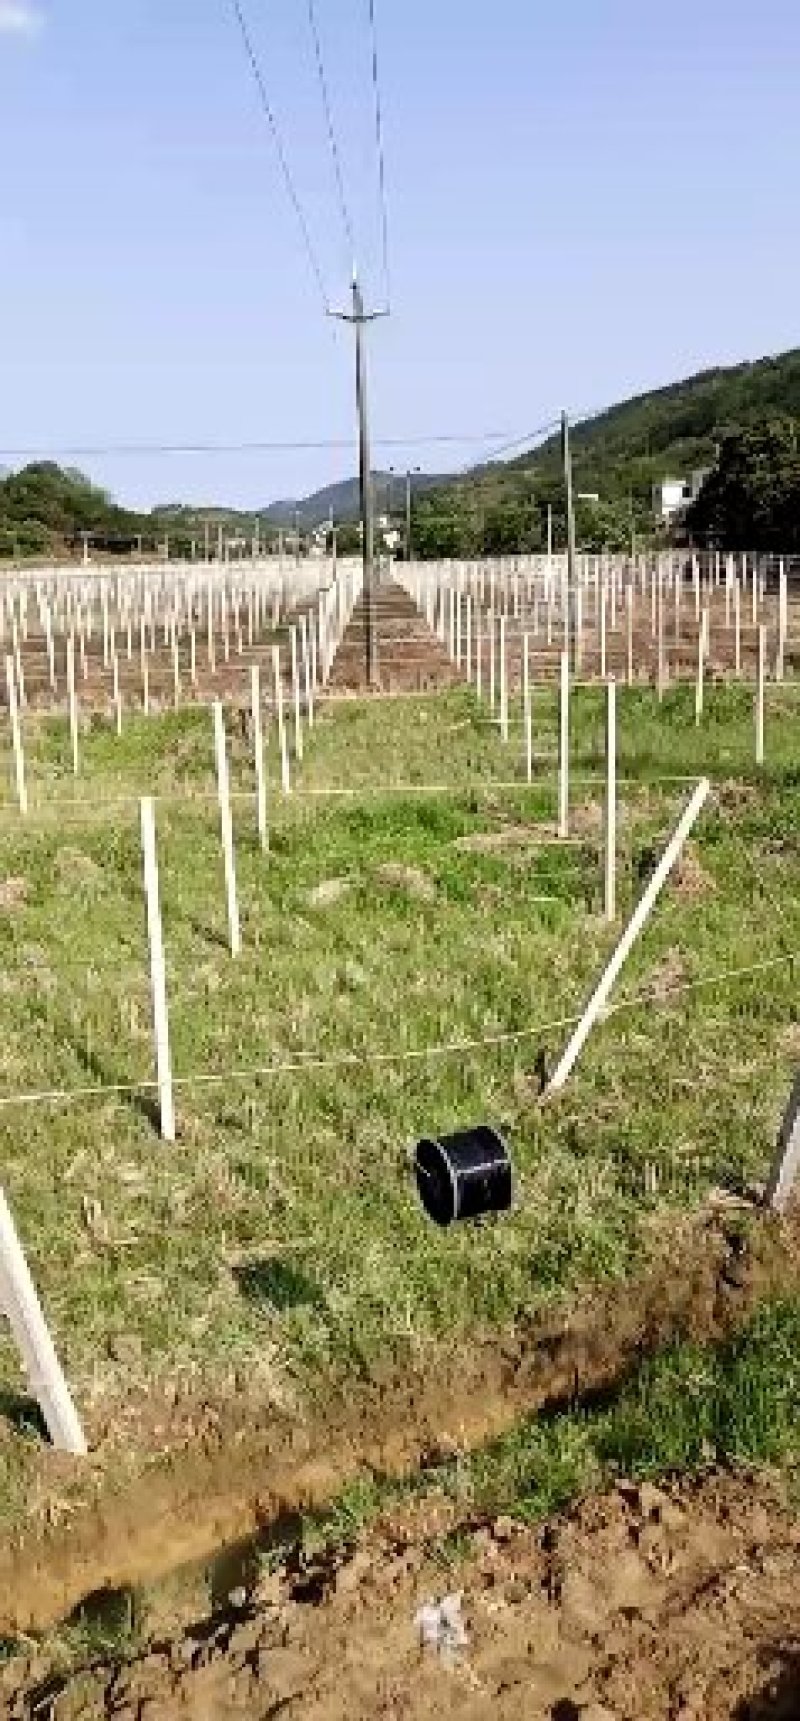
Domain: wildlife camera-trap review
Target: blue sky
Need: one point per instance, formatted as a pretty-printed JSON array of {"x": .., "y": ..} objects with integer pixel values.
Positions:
[{"x": 584, "y": 201}]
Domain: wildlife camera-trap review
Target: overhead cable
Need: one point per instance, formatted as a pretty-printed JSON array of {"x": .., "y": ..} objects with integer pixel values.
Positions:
[
  {"x": 258, "y": 75},
  {"x": 310, "y": 445},
  {"x": 376, "y": 89},
  {"x": 332, "y": 140}
]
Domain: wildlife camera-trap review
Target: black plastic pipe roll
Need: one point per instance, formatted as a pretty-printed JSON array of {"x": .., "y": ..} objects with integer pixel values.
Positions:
[{"x": 463, "y": 1176}]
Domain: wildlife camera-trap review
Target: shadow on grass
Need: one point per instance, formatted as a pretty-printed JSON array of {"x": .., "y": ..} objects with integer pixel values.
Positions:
[
  {"x": 276, "y": 1284},
  {"x": 209, "y": 934},
  {"x": 144, "y": 1102},
  {"x": 22, "y": 1413}
]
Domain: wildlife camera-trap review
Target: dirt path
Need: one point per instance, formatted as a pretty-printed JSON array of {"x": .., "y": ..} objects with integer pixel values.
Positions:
[
  {"x": 680, "y": 1603},
  {"x": 410, "y": 657}
]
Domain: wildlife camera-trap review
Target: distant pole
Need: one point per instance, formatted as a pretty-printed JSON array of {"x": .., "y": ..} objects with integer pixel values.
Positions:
[
  {"x": 408, "y": 516},
  {"x": 570, "y": 515},
  {"x": 359, "y": 317},
  {"x": 365, "y": 488}
]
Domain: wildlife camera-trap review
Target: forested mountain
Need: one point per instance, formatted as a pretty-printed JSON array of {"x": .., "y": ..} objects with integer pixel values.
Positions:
[
  {"x": 617, "y": 457},
  {"x": 342, "y": 500}
]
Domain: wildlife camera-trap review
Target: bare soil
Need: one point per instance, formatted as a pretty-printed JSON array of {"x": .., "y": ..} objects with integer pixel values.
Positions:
[
  {"x": 175, "y": 1481},
  {"x": 679, "y": 1603},
  {"x": 410, "y": 658}
]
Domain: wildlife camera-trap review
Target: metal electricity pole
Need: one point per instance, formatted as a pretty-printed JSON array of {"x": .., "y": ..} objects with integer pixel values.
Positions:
[
  {"x": 570, "y": 520},
  {"x": 359, "y": 318}
]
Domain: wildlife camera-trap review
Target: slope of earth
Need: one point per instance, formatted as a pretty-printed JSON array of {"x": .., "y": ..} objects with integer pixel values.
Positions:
[
  {"x": 408, "y": 656},
  {"x": 640, "y": 1605}
]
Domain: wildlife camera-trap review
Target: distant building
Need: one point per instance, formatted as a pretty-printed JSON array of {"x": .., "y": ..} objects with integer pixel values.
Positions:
[
  {"x": 669, "y": 497},
  {"x": 672, "y": 495}
]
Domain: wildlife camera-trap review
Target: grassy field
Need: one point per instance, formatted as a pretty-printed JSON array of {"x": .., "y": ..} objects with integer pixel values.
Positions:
[{"x": 281, "y": 1237}]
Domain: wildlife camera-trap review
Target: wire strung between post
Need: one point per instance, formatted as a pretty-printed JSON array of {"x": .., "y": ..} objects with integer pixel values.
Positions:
[{"x": 312, "y": 1062}]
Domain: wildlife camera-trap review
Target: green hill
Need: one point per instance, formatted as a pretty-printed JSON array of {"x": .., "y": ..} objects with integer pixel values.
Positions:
[
  {"x": 618, "y": 455},
  {"x": 499, "y": 507}
]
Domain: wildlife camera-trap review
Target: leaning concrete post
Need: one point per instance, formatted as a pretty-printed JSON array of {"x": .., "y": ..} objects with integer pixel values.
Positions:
[
  {"x": 602, "y": 991},
  {"x": 21, "y": 1306},
  {"x": 786, "y": 1165}
]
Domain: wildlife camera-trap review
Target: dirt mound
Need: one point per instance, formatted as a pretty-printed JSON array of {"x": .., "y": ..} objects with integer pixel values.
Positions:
[
  {"x": 219, "y": 1473},
  {"x": 645, "y": 1604},
  {"x": 13, "y": 894},
  {"x": 690, "y": 878},
  {"x": 667, "y": 976},
  {"x": 409, "y": 879},
  {"x": 329, "y": 891}
]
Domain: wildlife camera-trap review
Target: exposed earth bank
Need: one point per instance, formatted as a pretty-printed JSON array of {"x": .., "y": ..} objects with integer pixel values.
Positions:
[{"x": 680, "y": 1602}]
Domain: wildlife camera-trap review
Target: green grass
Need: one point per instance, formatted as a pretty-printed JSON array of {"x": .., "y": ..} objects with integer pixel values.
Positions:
[
  {"x": 683, "y": 1411},
  {"x": 281, "y": 1236}
]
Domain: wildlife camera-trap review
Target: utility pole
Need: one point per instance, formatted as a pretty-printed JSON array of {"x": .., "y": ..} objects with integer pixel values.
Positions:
[
  {"x": 365, "y": 490},
  {"x": 570, "y": 518},
  {"x": 408, "y": 511},
  {"x": 359, "y": 317},
  {"x": 297, "y": 537}
]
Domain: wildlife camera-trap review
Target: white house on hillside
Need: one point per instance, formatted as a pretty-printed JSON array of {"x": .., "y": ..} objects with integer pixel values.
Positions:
[{"x": 674, "y": 494}]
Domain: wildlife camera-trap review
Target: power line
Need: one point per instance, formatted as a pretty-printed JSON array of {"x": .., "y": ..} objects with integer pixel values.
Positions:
[
  {"x": 291, "y": 188},
  {"x": 311, "y": 445},
  {"x": 532, "y": 436},
  {"x": 334, "y": 147},
  {"x": 381, "y": 156}
]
